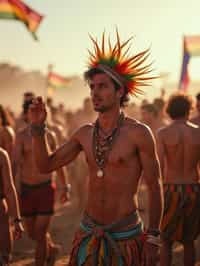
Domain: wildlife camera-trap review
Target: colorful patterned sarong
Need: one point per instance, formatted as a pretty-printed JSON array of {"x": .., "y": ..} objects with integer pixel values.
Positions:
[
  {"x": 108, "y": 245},
  {"x": 181, "y": 220}
]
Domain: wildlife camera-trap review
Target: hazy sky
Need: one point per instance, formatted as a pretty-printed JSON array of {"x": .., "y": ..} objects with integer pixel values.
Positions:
[{"x": 64, "y": 32}]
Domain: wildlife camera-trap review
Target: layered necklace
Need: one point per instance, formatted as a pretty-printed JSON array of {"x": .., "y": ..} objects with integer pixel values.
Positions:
[{"x": 103, "y": 145}]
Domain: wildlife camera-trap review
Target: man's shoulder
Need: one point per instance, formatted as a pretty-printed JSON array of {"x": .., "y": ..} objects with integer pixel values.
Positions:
[
  {"x": 83, "y": 130},
  {"x": 165, "y": 129},
  {"x": 134, "y": 123},
  {"x": 3, "y": 154},
  {"x": 196, "y": 120},
  {"x": 7, "y": 131},
  {"x": 193, "y": 125},
  {"x": 139, "y": 129}
]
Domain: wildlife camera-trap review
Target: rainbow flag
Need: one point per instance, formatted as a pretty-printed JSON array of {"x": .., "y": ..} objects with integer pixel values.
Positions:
[
  {"x": 16, "y": 9},
  {"x": 191, "y": 47},
  {"x": 57, "y": 81}
]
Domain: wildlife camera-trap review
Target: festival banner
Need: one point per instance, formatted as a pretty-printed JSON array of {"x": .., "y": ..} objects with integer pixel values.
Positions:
[
  {"x": 18, "y": 10},
  {"x": 57, "y": 81},
  {"x": 191, "y": 47}
]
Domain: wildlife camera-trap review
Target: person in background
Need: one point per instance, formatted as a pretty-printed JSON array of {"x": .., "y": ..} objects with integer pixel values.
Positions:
[
  {"x": 9, "y": 210},
  {"x": 179, "y": 154},
  {"x": 196, "y": 119},
  {"x": 7, "y": 134},
  {"x": 37, "y": 193}
]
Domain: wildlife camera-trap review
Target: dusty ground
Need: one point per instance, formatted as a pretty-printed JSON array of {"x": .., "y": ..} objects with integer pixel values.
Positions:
[{"x": 63, "y": 226}]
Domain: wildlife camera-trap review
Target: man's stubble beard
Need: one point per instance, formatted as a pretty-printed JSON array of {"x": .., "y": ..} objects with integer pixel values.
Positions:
[
  {"x": 100, "y": 109},
  {"x": 103, "y": 109}
]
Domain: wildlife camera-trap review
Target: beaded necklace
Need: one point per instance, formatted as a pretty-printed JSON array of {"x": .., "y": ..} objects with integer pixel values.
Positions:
[{"x": 103, "y": 145}]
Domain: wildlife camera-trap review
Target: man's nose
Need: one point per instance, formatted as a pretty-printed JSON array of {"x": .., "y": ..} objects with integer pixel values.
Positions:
[{"x": 94, "y": 92}]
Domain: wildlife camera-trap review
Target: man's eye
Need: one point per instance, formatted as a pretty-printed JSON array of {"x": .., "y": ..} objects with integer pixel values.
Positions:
[{"x": 102, "y": 86}]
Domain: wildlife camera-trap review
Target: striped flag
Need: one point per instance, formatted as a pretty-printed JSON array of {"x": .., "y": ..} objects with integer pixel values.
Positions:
[
  {"x": 184, "y": 80},
  {"x": 57, "y": 81},
  {"x": 16, "y": 9},
  {"x": 191, "y": 47}
]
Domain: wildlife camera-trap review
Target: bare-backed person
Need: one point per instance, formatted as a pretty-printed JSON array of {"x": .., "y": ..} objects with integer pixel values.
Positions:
[
  {"x": 9, "y": 208},
  {"x": 179, "y": 153},
  {"x": 196, "y": 119},
  {"x": 117, "y": 149}
]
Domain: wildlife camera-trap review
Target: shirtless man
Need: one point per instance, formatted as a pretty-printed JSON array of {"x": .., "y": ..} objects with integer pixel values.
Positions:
[
  {"x": 37, "y": 193},
  {"x": 196, "y": 119},
  {"x": 8, "y": 207},
  {"x": 179, "y": 153},
  {"x": 7, "y": 134},
  {"x": 118, "y": 149}
]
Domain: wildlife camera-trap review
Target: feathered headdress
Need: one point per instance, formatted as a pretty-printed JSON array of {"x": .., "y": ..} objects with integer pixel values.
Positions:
[{"x": 129, "y": 72}]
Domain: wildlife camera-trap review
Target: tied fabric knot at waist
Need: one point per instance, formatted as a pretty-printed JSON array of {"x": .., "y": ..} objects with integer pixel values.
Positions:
[{"x": 102, "y": 239}]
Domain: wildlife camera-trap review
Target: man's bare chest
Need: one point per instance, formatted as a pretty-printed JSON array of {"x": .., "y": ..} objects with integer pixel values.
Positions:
[{"x": 121, "y": 152}]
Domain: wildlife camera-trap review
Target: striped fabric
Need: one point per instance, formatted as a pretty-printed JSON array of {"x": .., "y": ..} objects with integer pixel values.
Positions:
[
  {"x": 191, "y": 47},
  {"x": 181, "y": 220},
  {"x": 106, "y": 246},
  {"x": 18, "y": 10}
]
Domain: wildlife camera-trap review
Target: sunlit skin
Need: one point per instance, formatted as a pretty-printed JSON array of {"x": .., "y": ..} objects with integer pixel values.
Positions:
[
  {"x": 37, "y": 226},
  {"x": 7, "y": 138},
  {"x": 115, "y": 195},
  {"x": 103, "y": 99},
  {"x": 9, "y": 206},
  {"x": 179, "y": 154},
  {"x": 196, "y": 119}
]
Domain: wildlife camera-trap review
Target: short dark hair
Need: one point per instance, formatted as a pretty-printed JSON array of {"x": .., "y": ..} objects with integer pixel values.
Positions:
[
  {"x": 26, "y": 105},
  {"x": 179, "y": 105},
  {"x": 198, "y": 96},
  {"x": 89, "y": 74}
]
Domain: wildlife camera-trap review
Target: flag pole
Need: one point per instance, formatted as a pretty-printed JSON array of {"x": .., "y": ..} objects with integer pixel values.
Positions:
[{"x": 46, "y": 86}]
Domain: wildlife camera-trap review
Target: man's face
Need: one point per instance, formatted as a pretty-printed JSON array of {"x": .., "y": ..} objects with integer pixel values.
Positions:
[
  {"x": 103, "y": 93},
  {"x": 198, "y": 106},
  {"x": 146, "y": 117}
]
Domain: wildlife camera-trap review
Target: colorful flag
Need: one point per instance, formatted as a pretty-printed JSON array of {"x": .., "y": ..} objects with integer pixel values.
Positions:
[
  {"x": 191, "y": 47},
  {"x": 184, "y": 80},
  {"x": 57, "y": 81},
  {"x": 16, "y": 9}
]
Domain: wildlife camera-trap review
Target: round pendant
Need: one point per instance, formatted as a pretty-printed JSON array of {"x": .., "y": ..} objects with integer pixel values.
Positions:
[{"x": 100, "y": 173}]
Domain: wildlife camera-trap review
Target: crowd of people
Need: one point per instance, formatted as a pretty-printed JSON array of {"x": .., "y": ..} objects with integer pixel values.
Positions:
[
  {"x": 174, "y": 123},
  {"x": 97, "y": 158}
]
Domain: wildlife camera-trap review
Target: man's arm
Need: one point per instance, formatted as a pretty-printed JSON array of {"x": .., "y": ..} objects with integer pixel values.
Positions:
[
  {"x": 152, "y": 176},
  {"x": 45, "y": 161},
  {"x": 8, "y": 185},
  {"x": 18, "y": 157},
  {"x": 61, "y": 173},
  {"x": 9, "y": 141},
  {"x": 48, "y": 162}
]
